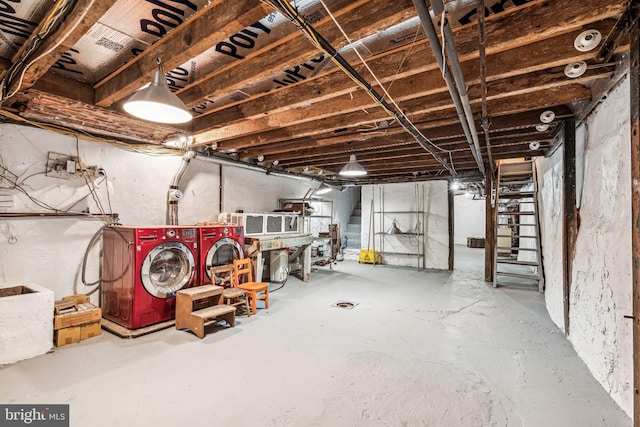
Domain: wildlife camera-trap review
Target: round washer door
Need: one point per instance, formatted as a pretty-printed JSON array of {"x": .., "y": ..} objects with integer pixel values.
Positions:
[
  {"x": 167, "y": 268},
  {"x": 223, "y": 252}
]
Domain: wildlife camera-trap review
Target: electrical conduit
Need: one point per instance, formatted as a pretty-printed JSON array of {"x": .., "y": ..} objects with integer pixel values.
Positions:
[{"x": 461, "y": 101}]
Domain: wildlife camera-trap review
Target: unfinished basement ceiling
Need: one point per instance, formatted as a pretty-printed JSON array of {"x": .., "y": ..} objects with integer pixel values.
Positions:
[{"x": 263, "y": 94}]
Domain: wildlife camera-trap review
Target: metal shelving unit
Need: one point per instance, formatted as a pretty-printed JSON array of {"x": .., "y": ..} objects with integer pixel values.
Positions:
[{"x": 418, "y": 232}]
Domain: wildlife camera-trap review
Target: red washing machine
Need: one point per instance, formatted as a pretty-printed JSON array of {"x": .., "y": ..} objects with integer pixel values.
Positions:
[
  {"x": 142, "y": 269},
  {"x": 219, "y": 245}
]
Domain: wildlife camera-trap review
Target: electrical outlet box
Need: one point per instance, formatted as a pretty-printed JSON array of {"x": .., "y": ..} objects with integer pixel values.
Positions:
[
  {"x": 64, "y": 166},
  {"x": 71, "y": 166},
  {"x": 58, "y": 164}
]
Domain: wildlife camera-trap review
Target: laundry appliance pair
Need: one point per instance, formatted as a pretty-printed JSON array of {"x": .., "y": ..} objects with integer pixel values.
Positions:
[{"x": 144, "y": 267}]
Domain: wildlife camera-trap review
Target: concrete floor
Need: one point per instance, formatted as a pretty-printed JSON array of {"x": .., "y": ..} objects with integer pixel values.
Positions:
[{"x": 419, "y": 349}]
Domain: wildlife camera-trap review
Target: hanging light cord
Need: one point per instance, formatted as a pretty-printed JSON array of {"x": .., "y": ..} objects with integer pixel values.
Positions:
[{"x": 321, "y": 43}]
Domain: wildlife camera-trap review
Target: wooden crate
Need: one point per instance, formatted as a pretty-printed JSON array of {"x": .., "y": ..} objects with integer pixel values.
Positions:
[{"x": 475, "y": 242}]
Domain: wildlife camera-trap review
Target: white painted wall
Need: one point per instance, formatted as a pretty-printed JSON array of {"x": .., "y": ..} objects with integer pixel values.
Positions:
[
  {"x": 49, "y": 251},
  {"x": 402, "y": 198},
  {"x": 469, "y": 218},
  {"x": 601, "y": 287},
  {"x": 550, "y": 198}
]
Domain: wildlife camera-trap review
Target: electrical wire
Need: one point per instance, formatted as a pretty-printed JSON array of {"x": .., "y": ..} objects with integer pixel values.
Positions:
[
  {"x": 16, "y": 183},
  {"x": 404, "y": 58},
  {"x": 106, "y": 179},
  {"x": 149, "y": 149},
  {"x": 6, "y": 82},
  {"x": 321, "y": 43},
  {"x": 96, "y": 199},
  {"x": 355, "y": 49},
  {"x": 92, "y": 242},
  {"x": 46, "y": 27}
]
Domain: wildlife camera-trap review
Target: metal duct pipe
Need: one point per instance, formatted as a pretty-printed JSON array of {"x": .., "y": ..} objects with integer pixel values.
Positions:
[
  {"x": 174, "y": 195},
  {"x": 464, "y": 113},
  {"x": 454, "y": 60},
  {"x": 241, "y": 165}
]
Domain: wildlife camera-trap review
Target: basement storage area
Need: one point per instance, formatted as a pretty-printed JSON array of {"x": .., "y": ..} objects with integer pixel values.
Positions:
[{"x": 320, "y": 213}]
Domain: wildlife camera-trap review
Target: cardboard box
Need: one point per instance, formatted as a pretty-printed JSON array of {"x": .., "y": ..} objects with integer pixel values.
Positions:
[
  {"x": 77, "y": 298},
  {"x": 90, "y": 330},
  {"x": 77, "y": 316},
  {"x": 66, "y": 336}
]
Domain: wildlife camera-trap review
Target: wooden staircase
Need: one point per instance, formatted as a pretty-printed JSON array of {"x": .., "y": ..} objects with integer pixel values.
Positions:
[{"x": 517, "y": 256}]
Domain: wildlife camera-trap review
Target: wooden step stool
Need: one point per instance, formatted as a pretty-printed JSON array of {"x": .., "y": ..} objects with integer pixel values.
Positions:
[{"x": 187, "y": 317}]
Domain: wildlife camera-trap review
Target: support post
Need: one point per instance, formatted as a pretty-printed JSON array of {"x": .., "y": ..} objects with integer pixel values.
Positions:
[
  {"x": 489, "y": 230},
  {"x": 635, "y": 206},
  {"x": 451, "y": 225},
  {"x": 569, "y": 222}
]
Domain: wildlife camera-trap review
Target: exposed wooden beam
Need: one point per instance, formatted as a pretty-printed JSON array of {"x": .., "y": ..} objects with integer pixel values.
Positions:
[
  {"x": 77, "y": 22},
  {"x": 532, "y": 23},
  {"x": 47, "y": 108},
  {"x": 361, "y": 18},
  {"x": 569, "y": 217},
  {"x": 424, "y": 74},
  {"x": 538, "y": 100},
  {"x": 489, "y": 231},
  {"x": 345, "y": 106},
  {"x": 435, "y": 131},
  {"x": 205, "y": 29},
  {"x": 56, "y": 84},
  {"x": 408, "y": 150}
]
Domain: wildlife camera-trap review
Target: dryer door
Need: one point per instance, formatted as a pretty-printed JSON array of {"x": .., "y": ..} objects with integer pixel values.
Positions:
[
  {"x": 223, "y": 252},
  {"x": 167, "y": 268}
]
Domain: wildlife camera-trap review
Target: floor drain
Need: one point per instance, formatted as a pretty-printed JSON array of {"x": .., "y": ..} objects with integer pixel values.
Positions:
[{"x": 345, "y": 304}]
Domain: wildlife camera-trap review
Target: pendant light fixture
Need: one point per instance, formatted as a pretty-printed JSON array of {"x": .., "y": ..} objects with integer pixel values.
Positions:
[
  {"x": 157, "y": 103},
  {"x": 352, "y": 168}
]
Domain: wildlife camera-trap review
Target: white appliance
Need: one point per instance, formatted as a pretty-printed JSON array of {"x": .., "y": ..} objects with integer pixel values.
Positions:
[
  {"x": 279, "y": 266},
  {"x": 263, "y": 223}
]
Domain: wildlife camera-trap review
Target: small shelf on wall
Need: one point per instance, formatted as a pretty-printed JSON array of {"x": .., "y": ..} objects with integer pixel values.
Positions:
[{"x": 402, "y": 254}]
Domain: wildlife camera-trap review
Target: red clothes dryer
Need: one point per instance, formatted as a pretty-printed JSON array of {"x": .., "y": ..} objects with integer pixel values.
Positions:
[
  {"x": 142, "y": 269},
  {"x": 219, "y": 245}
]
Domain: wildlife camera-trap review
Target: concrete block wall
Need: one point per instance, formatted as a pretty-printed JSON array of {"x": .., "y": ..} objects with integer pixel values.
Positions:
[{"x": 601, "y": 284}]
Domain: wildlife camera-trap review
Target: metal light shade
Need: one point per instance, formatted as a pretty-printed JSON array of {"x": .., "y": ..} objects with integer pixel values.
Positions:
[
  {"x": 157, "y": 103},
  {"x": 353, "y": 168},
  {"x": 394, "y": 229}
]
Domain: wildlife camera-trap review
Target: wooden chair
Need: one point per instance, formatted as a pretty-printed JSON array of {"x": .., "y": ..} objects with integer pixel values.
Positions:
[
  {"x": 242, "y": 269},
  {"x": 223, "y": 276}
]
